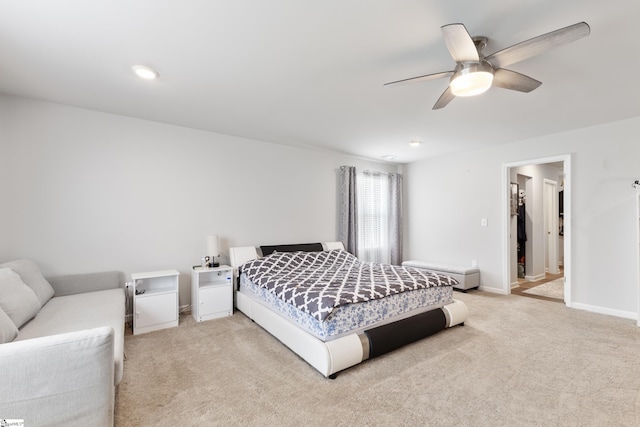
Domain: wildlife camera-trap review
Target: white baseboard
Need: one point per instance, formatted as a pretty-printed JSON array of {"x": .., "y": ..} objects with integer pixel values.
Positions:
[
  {"x": 603, "y": 310},
  {"x": 535, "y": 278},
  {"x": 493, "y": 290},
  {"x": 586, "y": 307}
]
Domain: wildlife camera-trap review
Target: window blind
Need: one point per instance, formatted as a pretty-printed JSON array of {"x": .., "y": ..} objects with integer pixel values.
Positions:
[{"x": 373, "y": 215}]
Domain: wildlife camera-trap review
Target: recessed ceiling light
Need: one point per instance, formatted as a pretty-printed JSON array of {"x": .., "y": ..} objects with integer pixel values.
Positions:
[
  {"x": 415, "y": 143},
  {"x": 389, "y": 157},
  {"x": 145, "y": 72}
]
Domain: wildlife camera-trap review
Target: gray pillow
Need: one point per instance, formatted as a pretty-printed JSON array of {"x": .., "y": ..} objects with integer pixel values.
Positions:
[
  {"x": 17, "y": 300},
  {"x": 32, "y": 277},
  {"x": 8, "y": 329}
]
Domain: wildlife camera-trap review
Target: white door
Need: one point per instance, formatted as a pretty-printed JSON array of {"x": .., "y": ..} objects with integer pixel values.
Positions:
[
  {"x": 216, "y": 301},
  {"x": 156, "y": 309},
  {"x": 551, "y": 226}
]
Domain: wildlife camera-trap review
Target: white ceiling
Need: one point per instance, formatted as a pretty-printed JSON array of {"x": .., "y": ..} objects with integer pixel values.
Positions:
[{"x": 311, "y": 73}]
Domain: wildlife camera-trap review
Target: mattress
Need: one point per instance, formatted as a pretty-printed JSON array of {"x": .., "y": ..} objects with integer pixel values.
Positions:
[
  {"x": 319, "y": 282},
  {"x": 352, "y": 318}
]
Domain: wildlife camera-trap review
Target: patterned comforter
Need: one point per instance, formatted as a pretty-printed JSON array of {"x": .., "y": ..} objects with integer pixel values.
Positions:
[{"x": 317, "y": 282}]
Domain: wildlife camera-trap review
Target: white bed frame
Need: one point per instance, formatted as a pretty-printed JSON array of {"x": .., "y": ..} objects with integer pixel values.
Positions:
[{"x": 327, "y": 357}]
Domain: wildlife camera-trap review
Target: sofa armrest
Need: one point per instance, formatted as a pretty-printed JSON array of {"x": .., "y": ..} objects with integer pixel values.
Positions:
[
  {"x": 64, "y": 379},
  {"x": 88, "y": 282}
]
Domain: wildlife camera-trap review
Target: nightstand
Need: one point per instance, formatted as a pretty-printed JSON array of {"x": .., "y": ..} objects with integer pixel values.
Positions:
[
  {"x": 211, "y": 292},
  {"x": 155, "y": 300}
]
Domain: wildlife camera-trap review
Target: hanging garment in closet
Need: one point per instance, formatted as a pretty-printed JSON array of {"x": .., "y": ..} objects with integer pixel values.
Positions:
[{"x": 522, "y": 233}]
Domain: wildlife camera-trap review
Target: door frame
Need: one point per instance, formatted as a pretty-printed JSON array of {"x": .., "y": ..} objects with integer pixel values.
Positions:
[
  {"x": 637, "y": 187},
  {"x": 506, "y": 221}
]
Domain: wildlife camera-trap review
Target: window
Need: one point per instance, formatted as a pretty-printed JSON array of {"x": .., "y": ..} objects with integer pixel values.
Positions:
[
  {"x": 370, "y": 214},
  {"x": 373, "y": 216}
]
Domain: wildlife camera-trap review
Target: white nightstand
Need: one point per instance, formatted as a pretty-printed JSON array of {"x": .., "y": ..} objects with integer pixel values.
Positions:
[
  {"x": 211, "y": 292},
  {"x": 155, "y": 300}
]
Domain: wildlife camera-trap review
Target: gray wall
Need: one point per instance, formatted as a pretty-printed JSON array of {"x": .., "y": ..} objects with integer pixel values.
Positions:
[
  {"x": 93, "y": 191},
  {"x": 88, "y": 191},
  {"x": 448, "y": 197}
]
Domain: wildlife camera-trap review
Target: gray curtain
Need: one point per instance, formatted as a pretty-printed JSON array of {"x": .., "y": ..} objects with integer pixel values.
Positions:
[
  {"x": 395, "y": 218},
  {"x": 348, "y": 222}
]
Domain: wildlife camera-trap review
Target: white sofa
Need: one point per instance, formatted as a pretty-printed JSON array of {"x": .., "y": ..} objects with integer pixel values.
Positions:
[{"x": 61, "y": 346}]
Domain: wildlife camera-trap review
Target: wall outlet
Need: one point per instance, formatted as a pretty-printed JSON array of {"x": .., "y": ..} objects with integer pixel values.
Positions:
[
  {"x": 474, "y": 263},
  {"x": 484, "y": 222}
]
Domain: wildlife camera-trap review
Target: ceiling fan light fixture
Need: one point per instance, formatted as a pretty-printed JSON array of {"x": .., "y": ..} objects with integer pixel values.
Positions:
[{"x": 471, "y": 79}]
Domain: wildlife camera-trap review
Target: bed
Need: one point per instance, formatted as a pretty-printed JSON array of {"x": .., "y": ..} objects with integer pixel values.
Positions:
[{"x": 315, "y": 298}]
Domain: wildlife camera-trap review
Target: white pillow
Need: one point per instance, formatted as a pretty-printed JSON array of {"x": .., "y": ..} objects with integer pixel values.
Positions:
[
  {"x": 17, "y": 300},
  {"x": 8, "y": 329},
  {"x": 32, "y": 277}
]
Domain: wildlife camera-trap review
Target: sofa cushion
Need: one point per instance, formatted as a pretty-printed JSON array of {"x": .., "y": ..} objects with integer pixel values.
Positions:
[
  {"x": 8, "y": 329},
  {"x": 82, "y": 311},
  {"x": 32, "y": 277},
  {"x": 17, "y": 299}
]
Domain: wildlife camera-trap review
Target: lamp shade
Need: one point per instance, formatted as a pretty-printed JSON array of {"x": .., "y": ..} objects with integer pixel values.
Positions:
[{"x": 212, "y": 246}]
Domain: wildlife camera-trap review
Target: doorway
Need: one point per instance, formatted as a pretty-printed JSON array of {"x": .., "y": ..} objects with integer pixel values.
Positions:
[{"x": 544, "y": 255}]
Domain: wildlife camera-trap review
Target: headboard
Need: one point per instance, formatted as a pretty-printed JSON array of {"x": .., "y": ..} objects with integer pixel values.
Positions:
[
  {"x": 240, "y": 255},
  {"x": 302, "y": 247}
]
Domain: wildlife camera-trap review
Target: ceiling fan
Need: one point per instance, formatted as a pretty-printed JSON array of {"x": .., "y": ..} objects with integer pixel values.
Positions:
[{"x": 475, "y": 73}]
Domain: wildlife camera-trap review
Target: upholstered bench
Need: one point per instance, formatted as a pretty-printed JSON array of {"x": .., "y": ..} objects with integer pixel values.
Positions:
[{"x": 467, "y": 277}]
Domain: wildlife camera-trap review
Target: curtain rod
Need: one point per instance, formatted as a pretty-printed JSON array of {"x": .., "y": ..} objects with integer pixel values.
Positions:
[
  {"x": 370, "y": 171},
  {"x": 381, "y": 172}
]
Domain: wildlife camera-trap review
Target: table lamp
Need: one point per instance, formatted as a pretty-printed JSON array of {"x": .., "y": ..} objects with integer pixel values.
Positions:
[{"x": 212, "y": 250}]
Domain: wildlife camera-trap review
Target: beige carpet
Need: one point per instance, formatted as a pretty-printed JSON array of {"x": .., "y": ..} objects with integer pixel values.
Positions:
[
  {"x": 552, "y": 289},
  {"x": 517, "y": 362}
]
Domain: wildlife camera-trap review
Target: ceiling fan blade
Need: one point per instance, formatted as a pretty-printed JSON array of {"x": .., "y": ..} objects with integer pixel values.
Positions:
[
  {"x": 537, "y": 45},
  {"x": 460, "y": 44},
  {"x": 508, "y": 79},
  {"x": 446, "y": 97},
  {"x": 421, "y": 78}
]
